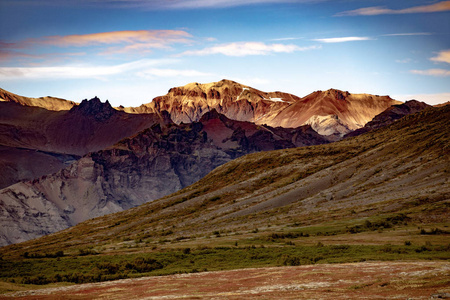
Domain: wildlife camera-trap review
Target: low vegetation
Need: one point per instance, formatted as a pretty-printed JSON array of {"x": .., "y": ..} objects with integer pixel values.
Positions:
[{"x": 95, "y": 268}]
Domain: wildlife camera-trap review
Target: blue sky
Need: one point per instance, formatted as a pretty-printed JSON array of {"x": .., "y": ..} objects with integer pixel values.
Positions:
[{"x": 130, "y": 51}]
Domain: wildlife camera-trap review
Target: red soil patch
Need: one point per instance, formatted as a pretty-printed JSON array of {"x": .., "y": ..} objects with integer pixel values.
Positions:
[{"x": 373, "y": 280}]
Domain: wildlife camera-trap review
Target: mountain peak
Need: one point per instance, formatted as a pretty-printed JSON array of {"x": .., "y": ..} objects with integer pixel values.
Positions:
[
  {"x": 94, "y": 107},
  {"x": 338, "y": 94}
]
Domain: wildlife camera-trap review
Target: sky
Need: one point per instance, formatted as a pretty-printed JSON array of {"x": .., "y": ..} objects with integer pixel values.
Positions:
[{"x": 130, "y": 51}]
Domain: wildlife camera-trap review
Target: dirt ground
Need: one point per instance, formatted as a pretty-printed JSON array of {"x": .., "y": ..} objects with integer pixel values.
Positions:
[{"x": 366, "y": 280}]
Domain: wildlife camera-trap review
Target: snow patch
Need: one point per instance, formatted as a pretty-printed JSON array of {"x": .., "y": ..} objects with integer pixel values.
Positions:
[
  {"x": 243, "y": 89},
  {"x": 274, "y": 99}
]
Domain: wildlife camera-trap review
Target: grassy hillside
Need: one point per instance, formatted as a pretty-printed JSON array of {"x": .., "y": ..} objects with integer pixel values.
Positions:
[{"x": 380, "y": 196}]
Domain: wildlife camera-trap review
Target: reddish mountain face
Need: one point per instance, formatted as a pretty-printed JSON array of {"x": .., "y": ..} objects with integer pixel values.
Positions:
[
  {"x": 352, "y": 111},
  {"x": 153, "y": 163},
  {"x": 329, "y": 112},
  {"x": 36, "y": 141}
]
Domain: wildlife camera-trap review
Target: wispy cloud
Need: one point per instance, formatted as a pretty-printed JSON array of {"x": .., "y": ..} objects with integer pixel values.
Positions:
[
  {"x": 379, "y": 10},
  {"x": 156, "y": 4},
  {"x": 432, "y": 72},
  {"x": 248, "y": 48},
  {"x": 443, "y": 56},
  {"x": 408, "y": 34},
  {"x": 87, "y": 71},
  {"x": 404, "y": 61},
  {"x": 138, "y": 41},
  {"x": 286, "y": 39},
  {"x": 343, "y": 39},
  {"x": 158, "y": 38}
]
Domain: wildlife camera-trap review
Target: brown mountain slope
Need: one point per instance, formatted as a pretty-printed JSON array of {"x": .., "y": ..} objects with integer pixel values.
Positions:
[
  {"x": 401, "y": 168},
  {"x": 50, "y": 103},
  {"x": 328, "y": 112},
  {"x": 158, "y": 161}
]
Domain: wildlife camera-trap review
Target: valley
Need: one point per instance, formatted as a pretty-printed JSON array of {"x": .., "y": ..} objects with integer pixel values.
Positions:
[{"x": 245, "y": 196}]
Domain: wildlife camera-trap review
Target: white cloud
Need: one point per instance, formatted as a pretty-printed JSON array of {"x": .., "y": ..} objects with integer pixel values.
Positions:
[
  {"x": 443, "y": 56},
  {"x": 432, "y": 72},
  {"x": 248, "y": 48},
  {"x": 61, "y": 72},
  {"x": 343, "y": 39},
  {"x": 378, "y": 10}
]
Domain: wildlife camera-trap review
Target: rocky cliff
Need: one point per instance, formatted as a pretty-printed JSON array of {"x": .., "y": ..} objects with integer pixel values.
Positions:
[{"x": 156, "y": 162}]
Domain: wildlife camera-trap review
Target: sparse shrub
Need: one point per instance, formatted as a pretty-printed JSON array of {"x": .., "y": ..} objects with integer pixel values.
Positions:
[
  {"x": 422, "y": 249},
  {"x": 142, "y": 265},
  {"x": 288, "y": 235},
  {"x": 45, "y": 255},
  {"x": 84, "y": 252},
  {"x": 433, "y": 231},
  {"x": 287, "y": 260}
]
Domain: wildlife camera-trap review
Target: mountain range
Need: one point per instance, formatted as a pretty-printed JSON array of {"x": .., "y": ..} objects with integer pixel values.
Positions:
[
  {"x": 393, "y": 176},
  {"x": 79, "y": 161}
]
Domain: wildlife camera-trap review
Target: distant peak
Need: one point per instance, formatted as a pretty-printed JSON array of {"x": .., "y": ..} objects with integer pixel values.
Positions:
[{"x": 94, "y": 107}]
